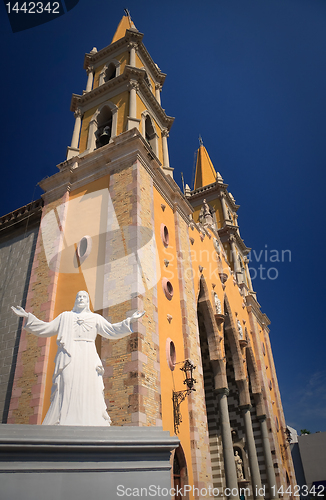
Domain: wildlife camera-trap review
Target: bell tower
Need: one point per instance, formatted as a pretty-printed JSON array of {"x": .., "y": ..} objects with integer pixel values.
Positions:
[
  {"x": 211, "y": 194},
  {"x": 123, "y": 92}
]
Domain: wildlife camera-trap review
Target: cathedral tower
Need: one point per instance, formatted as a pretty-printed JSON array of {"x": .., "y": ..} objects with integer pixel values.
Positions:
[
  {"x": 123, "y": 92},
  {"x": 115, "y": 223}
]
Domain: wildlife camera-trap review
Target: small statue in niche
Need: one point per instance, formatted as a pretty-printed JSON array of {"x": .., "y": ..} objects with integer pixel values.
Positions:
[
  {"x": 240, "y": 330},
  {"x": 206, "y": 214},
  {"x": 238, "y": 465},
  {"x": 218, "y": 308},
  {"x": 77, "y": 395}
]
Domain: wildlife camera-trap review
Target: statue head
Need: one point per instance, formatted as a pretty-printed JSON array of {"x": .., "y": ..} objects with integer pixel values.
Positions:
[{"x": 81, "y": 302}]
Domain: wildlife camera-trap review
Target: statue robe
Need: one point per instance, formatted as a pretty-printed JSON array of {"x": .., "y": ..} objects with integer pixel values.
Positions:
[{"x": 77, "y": 395}]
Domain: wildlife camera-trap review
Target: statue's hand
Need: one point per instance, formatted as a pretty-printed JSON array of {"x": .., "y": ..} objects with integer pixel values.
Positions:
[
  {"x": 19, "y": 311},
  {"x": 137, "y": 315}
]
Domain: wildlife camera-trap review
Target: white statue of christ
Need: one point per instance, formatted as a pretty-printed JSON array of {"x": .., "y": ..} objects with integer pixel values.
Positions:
[{"x": 77, "y": 395}]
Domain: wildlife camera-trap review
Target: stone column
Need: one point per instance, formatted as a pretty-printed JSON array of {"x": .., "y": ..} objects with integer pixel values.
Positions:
[
  {"x": 132, "y": 57},
  {"x": 252, "y": 453},
  {"x": 132, "y": 118},
  {"x": 76, "y": 132},
  {"x": 158, "y": 88},
  {"x": 268, "y": 458},
  {"x": 228, "y": 454},
  {"x": 73, "y": 150},
  {"x": 224, "y": 210},
  {"x": 165, "y": 135},
  {"x": 91, "y": 139},
  {"x": 90, "y": 77},
  {"x": 133, "y": 86}
]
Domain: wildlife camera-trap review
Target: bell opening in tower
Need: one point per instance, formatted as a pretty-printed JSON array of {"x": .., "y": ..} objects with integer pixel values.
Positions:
[{"x": 104, "y": 127}]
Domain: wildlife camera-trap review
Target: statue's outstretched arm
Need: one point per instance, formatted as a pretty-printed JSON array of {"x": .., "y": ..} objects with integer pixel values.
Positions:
[
  {"x": 137, "y": 315},
  {"x": 117, "y": 330},
  {"x": 19, "y": 311},
  {"x": 35, "y": 325}
]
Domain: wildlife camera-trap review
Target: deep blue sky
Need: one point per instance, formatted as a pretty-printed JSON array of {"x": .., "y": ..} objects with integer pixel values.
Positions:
[{"x": 250, "y": 77}]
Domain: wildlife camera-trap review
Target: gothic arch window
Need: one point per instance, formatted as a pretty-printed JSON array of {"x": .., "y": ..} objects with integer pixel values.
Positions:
[
  {"x": 231, "y": 339},
  {"x": 104, "y": 127}
]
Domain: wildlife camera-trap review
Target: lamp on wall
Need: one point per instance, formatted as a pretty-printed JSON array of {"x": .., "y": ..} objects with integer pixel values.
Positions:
[
  {"x": 179, "y": 396},
  {"x": 287, "y": 443}
]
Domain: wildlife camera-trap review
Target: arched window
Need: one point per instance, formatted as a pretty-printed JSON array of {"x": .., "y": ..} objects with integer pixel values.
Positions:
[
  {"x": 150, "y": 134},
  {"x": 110, "y": 72},
  {"x": 104, "y": 127}
]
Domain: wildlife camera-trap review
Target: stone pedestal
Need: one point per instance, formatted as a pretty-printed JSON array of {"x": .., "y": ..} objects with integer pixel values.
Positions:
[{"x": 82, "y": 463}]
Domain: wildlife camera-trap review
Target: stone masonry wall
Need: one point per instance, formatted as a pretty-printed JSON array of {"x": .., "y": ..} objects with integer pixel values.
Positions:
[
  {"x": 16, "y": 257},
  {"x": 132, "y": 372},
  {"x": 27, "y": 398}
]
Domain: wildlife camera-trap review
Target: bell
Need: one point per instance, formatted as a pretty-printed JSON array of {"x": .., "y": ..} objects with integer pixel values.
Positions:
[{"x": 105, "y": 136}]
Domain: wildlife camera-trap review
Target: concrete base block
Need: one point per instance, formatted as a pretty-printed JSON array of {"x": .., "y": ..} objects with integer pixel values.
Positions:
[{"x": 83, "y": 463}]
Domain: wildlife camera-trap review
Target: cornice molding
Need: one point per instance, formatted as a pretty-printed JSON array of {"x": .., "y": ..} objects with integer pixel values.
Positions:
[
  {"x": 172, "y": 194},
  {"x": 219, "y": 187},
  {"x": 254, "y": 306},
  {"x": 131, "y": 36},
  {"x": 122, "y": 152},
  {"x": 99, "y": 56},
  {"x": 227, "y": 231},
  {"x": 118, "y": 85},
  {"x": 210, "y": 188},
  {"x": 32, "y": 211}
]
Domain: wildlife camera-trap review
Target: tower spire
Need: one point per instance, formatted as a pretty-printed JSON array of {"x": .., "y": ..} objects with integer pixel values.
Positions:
[
  {"x": 125, "y": 24},
  {"x": 205, "y": 171}
]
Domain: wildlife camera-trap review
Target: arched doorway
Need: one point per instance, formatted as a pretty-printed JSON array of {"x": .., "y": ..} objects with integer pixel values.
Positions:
[{"x": 180, "y": 474}]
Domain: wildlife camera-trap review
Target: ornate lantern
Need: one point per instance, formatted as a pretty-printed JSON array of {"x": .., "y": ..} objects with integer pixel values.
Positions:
[{"x": 179, "y": 396}]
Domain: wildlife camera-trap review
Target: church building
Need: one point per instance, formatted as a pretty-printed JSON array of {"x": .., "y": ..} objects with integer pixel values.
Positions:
[{"x": 113, "y": 222}]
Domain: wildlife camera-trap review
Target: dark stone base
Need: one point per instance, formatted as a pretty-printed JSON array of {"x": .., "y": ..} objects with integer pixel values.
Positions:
[{"x": 83, "y": 463}]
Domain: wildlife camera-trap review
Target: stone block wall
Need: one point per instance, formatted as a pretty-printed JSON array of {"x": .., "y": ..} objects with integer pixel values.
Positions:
[
  {"x": 16, "y": 258},
  {"x": 27, "y": 399},
  {"x": 132, "y": 371}
]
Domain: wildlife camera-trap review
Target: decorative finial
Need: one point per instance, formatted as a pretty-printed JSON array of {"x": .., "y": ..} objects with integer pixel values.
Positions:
[
  {"x": 127, "y": 12},
  {"x": 200, "y": 140}
]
